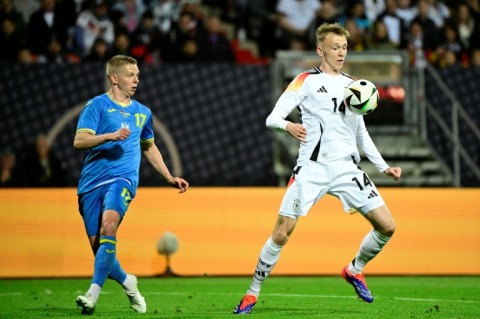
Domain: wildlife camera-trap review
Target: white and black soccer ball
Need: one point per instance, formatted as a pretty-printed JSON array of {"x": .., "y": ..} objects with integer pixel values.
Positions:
[
  {"x": 167, "y": 244},
  {"x": 361, "y": 96}
]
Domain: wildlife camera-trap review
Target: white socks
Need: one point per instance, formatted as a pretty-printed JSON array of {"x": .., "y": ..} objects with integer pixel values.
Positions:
[
  {"x": 94, "y": 292},
  {"x": 269, "y": 256},
  {"x": 130, "y": 283},
  {"x": 371, "y": 245}
]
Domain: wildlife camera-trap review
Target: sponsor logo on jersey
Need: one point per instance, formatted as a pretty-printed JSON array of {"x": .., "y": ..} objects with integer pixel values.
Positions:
[
  {"x": 124, "y": 113},
  {"x": 110, "y": 110},
  {"x": 322, "y": 90}
]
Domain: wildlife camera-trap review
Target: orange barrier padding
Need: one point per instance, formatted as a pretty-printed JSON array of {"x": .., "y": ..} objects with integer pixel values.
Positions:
[{"x": 221, "y": 232}]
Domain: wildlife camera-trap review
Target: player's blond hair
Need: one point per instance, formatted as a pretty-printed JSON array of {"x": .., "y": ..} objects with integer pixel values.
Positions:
[
  {"x": 118, "y": 61},
  {"x": 328, "y": 28}
]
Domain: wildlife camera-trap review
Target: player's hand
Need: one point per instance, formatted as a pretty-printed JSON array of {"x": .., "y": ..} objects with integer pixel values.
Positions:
[
  {"x": 394, "y": 172},
  {"x": 120, "y": 135},
  {"x": 179, "y": 183},
  {"x": 297, "y": 130}
]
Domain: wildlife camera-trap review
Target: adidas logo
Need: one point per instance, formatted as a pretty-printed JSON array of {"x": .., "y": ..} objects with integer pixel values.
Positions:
[
  {"x": 372, "y": 194},
  {"x": 322, "y": 89}
]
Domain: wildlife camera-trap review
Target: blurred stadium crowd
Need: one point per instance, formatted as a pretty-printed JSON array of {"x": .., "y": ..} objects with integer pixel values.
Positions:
[{"x": 441, "y": 32}]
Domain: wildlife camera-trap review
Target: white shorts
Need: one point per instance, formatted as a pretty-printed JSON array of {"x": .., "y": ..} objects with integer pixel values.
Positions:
[{"x": 341, "y": 178}]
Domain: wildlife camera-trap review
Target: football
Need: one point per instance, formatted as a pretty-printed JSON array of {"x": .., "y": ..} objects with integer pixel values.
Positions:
[
  {"x": 167, "y": 244},
  {"x": 361, "y": 96}
]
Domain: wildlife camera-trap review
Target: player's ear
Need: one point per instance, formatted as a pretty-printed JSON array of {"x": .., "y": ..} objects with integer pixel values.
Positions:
[
  {"x": 320, "y": 51},
  {"x": 113, "y": 78}
]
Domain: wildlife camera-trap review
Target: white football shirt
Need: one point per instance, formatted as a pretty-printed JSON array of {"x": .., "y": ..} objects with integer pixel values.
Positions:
[{"x": 333, "y": 131}]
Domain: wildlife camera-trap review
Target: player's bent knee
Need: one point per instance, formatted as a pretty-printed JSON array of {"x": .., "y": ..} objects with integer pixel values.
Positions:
[
  {"x": 388, "y": 230},
  {"x": 279, "y": 239}
]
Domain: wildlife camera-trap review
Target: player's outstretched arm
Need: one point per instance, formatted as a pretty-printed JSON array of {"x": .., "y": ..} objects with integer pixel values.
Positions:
[
  {"x": 153, "y": 155},
  {"x": 86, "y": 140},
  {"x": 394, "y": 172}
]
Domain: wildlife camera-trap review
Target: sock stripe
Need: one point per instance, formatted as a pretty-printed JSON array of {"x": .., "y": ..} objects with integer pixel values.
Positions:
[{"x": 110, "y": 241}]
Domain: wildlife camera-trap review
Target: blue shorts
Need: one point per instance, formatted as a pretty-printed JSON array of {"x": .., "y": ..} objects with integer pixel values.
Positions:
[{"x": 114, "y": 196}]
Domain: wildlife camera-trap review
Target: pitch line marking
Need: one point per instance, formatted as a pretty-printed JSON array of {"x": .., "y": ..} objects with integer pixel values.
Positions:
[
  {"x": 315, "y": 296},
  {"x": 48, "y": 292},
  {"x": 431, "y": 299}
]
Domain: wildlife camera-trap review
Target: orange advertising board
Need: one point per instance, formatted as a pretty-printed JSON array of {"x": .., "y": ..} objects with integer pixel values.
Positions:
[{"x": 221, "y": 232}]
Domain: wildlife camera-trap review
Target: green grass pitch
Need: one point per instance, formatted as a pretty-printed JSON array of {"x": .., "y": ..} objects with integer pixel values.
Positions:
[{"x": 282, "y": 297}]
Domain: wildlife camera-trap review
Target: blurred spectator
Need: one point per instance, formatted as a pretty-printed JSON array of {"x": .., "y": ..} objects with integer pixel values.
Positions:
[
  {"x": 100, "y": 52},
  {"x": 358, "y": 40},
  {"x": 430, "y": 30},
  {"x": 119, "y": 22},
  {"x": 192, "y": 7},
  {"x": 182, "y": 44},
  {"x": 214, "y": 45},
  {"x": 373, "y": 8},
  {"x": 25, "y": 56},
  {"x": 379, "y": 39},
  {"x": 448, "y": 59},
  {"x": 165, "y": 13},
  {"x": 296, "y": 18},
  {"x": 262, "y": 23},
  {"x": 68, "y": 10},
  {"x": 449, "y": 43},
  {"x": 121, "y": 45},
  {"x": 8, "y": 11},
  {"x": 46, "y": 24},
  {"x": 415, "y": 45},
  {"x": 132, "y": 11},
  {"x": 43, "y": 168},
  {"x": 27, "y": 8},
  {"x": 93, "y": 23},
  {"x": 147, "y": 40},
  {"x": 11, "y": 174},
  {"x": 396, "y": 27},
  {"x": 57, "y": 54},
  {"x": 240, "y": 7},
  {"x": 468, "y": 27},
  {"x": 355, "y": 11},
  {"x": 406, "y": 11},
  {"x": 475, "y": 59},
  {"x": 438, "y": 12},
  {"x": 10, "y": 41},
  {"x": 328, "y": 13}
]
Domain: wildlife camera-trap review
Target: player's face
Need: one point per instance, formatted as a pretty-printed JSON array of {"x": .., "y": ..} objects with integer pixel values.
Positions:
[
  {"x": 127, "y": 79},
  {"x": 333, "y": 51}
]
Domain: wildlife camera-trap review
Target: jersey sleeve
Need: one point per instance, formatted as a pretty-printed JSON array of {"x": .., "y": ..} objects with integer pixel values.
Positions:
[
  {"x": 89, "y": 118},
  {"x": 365, "y": 143},
  {"x": 147, "y": 131},
  {"x": 293, "y": 96}
]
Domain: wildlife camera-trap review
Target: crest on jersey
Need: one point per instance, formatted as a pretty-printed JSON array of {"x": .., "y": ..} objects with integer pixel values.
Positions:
[
  {"x": 296, "y": 204},
  {"x": 125, "y": 125}
]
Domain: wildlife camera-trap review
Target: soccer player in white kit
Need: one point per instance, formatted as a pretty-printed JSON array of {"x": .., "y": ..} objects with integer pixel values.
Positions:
[{"x": 330, "y": 135}]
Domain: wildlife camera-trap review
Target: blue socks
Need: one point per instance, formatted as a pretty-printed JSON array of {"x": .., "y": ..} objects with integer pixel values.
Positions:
[
  {"x": 105, "y": 260},
  {"x": 117, "y": 273}
]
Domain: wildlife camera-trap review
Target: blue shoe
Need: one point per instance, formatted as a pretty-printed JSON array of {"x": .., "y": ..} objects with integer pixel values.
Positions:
[
  {"x": 358, "y": 282},
  {"x": 246, "y": 305}
]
